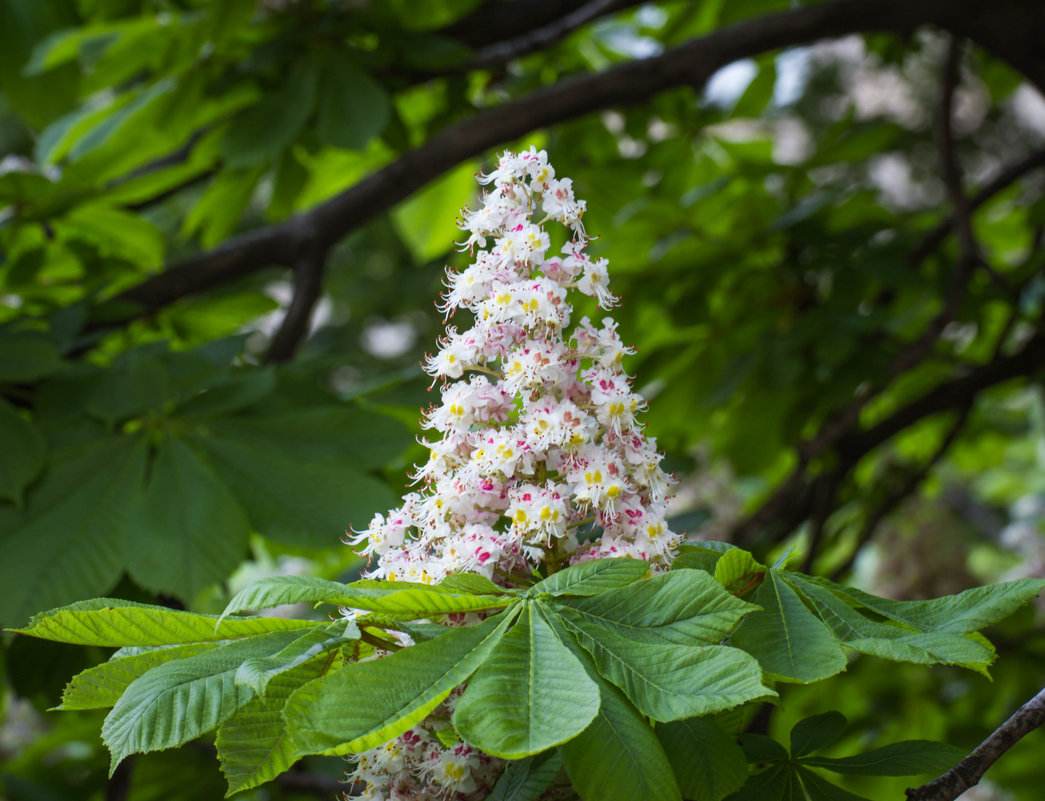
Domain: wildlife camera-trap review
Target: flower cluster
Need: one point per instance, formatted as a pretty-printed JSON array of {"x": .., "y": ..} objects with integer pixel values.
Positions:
[{"x": 537, "y": 458}]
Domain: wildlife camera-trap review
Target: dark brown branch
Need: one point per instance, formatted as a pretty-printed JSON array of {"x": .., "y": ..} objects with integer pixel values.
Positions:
[
  {"x": 950, "y": 169},
  {"x": 970, "y": 770},
  {"x": 308, "y": 286},
  {"x": 789, "y": 505},
  {"x": 632, "y": 82},
  {"x": 547, "y": 35},
  {"x": 1008, "y": 176},
  {"x": 500, "y": 21}
]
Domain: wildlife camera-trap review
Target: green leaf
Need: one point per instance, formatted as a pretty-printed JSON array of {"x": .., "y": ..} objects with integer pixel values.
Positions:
[
  {"x": 366, "y": 704},
  {"x": 258, "y": 672},
  {"x": 527, "y": 779},
  {"x": 703, "y": 555},
  {"x": 758, "y": 93},
  {"x": 813, "y": 733},
  {"x": 965, "y": 612},
  {"x": 180, "y": 700},
  {"x": 682, "y": 607},
  {"x": 398, "y": 597},
  {"x": 906, "y": 758},
  {"x": 27, "y": 356},
  {"x": 513, "y": 706},
  {"x": 618, "y": 757},
  {"x": 217, "y": 212},
  {"x": 101, "y": 686},
  {"x": 229, "y": 392},
  {"x": 668, "y": 681},
  {"x": 788, "y": 640},
  {"x": 291, "y": 501},
  {"x": 68, "y": 542},
  {"x": 470, "y": 584},
  {"x": 115, "y": 623},
  {"x": 889, "y": 640},
  {"x": 254, "y": 745},
  {"x": 117, "y": 234},
  {"x": 737, "y": 569},
  {"x": 819, "y": 789},
  {"x": 353, "y": 107},
  {"x": 327, "y": 434},
  {"x": 773, "y": 784},
  {"x": 259, "y": 134},
  {"x": 591, "y": 578},
  {"x": 188, "y": 531},
  {"x": 708, "y": 763},
  {"x": 422, "y": 221},
  {"x": 137, "y": 386},
  {"x": 25, "y": 450}
]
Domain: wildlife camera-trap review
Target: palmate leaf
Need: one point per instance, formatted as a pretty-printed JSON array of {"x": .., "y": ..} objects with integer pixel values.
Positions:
[
  {"x": 708, "y": 764},
  {"x": 684, "y": 607},
  {"x": 180, "y": 700},
  {"x": 666, "y": 681},
  {"x": 397, "y": 598},
  {"x": 365, "y": 704},
  {"x": 101, "y": 686},
  {"x": 115, "y": 623},
  {"x": 591, "y": 578},
  {"x": 254, "y": 745},
  {"x": 530, "y": 694},
  {"x": 788, "y": 640}
]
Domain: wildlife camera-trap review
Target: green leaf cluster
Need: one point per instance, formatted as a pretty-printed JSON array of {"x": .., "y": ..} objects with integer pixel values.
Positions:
[
  {"x": 613, "y": 674},
  {"x": 166, "y": 467}
]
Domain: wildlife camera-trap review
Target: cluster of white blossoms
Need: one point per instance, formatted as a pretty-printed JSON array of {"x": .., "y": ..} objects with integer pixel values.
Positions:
[{"x": 539, "y": 460}]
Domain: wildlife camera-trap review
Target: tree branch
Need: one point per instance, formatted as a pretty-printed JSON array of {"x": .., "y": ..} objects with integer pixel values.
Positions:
[
  {"x": 547, "y": 35},
  {"x": 970, "y": 770},
  {"x": 951, "y": 171},
  {"x": 690, "y": 64},
  {"x": 308, "y": 286}
]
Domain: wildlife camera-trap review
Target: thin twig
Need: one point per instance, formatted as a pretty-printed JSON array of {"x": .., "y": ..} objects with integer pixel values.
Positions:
[
  {"x": 968, "y": 772},
  {"x": 308, "y": 286},
  {"x": 950, "y": 169}
]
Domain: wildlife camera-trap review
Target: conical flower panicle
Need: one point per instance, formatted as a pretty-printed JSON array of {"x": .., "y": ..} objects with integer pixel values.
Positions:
[
  {"x": 535, "y": 439},
  {"x": 537, "y": 435}
]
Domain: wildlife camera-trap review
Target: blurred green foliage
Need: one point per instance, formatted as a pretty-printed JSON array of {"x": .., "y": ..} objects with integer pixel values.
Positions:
[{"x": 768, "y": 238}]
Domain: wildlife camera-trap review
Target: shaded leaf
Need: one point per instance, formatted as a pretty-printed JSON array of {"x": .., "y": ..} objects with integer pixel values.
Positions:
[
  {"x": 188, "y": 531},
  {"x": 906, "y": 758},
  {"x": 813, "y": 733},
  {"x": 353, "y": 107},
  {"x": 527, "y": 779},
  {"x": 708, "y": 763},
  {"x": 25, "y": 451}
]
